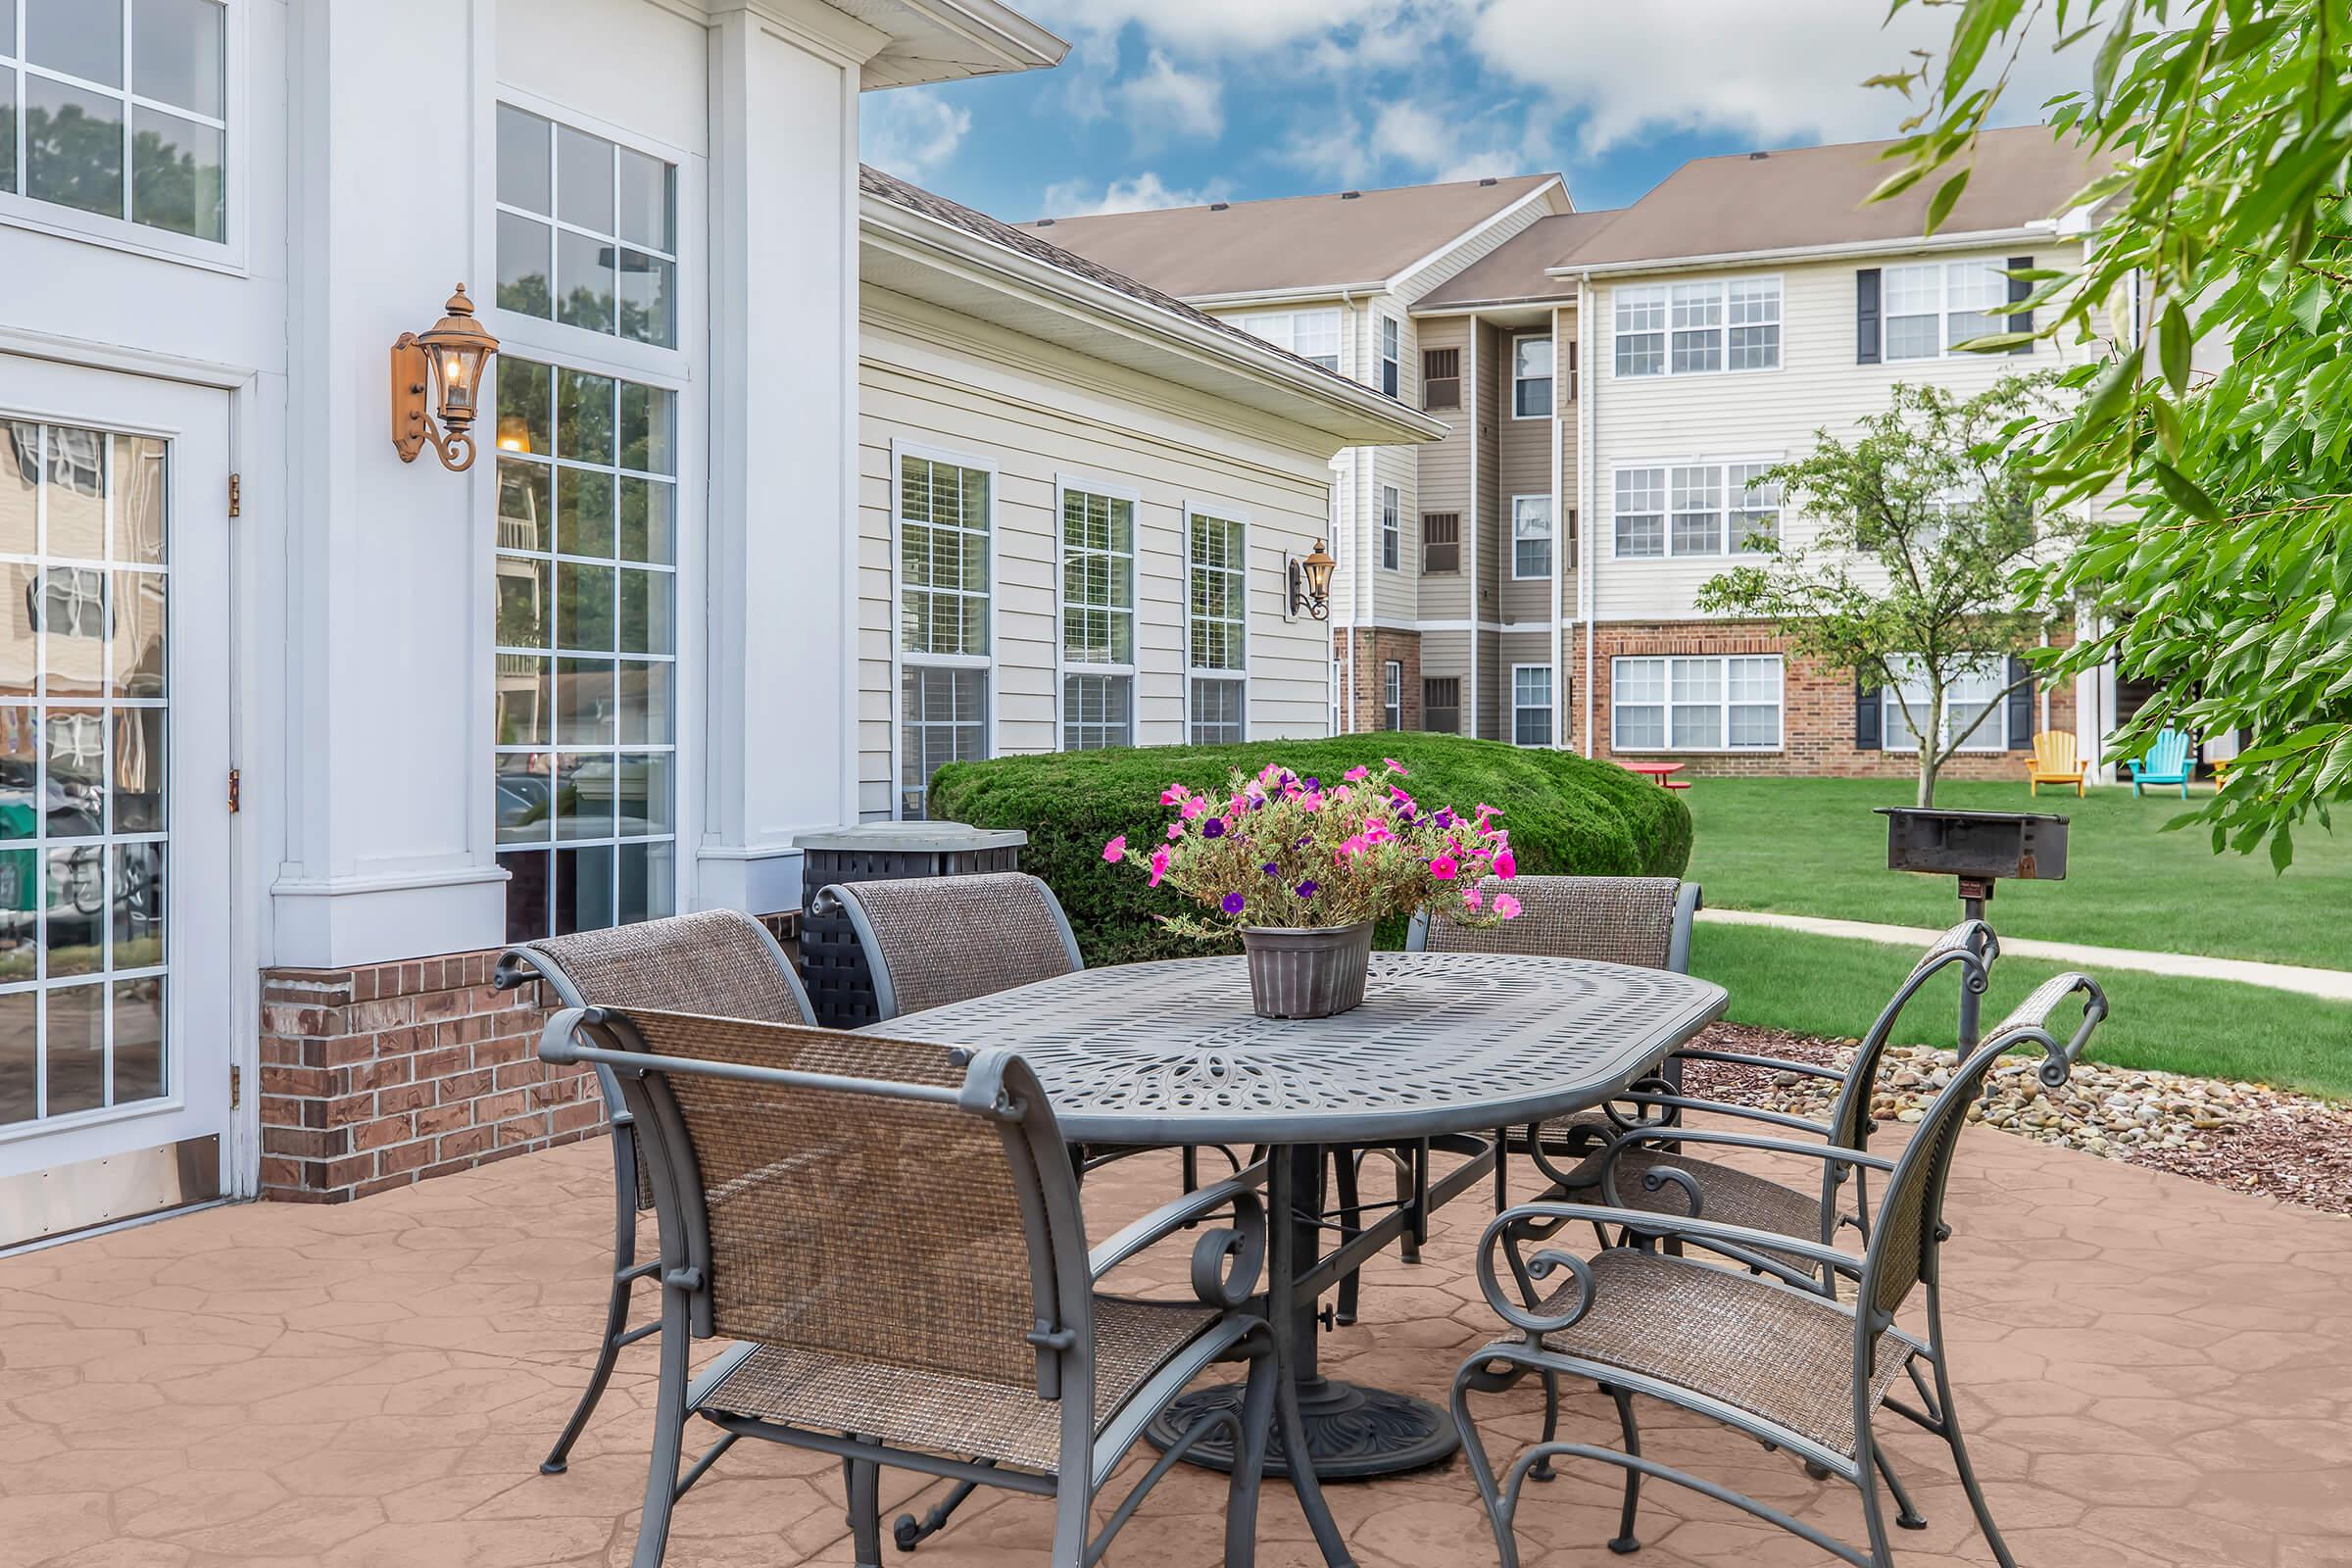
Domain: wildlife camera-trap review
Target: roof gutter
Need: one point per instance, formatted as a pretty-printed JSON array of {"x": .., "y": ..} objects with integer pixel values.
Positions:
[
  {"x": 2044, "y": 229},
  {"x": 1266, "y": 364},
  {"x": 1297, "y": 295}
]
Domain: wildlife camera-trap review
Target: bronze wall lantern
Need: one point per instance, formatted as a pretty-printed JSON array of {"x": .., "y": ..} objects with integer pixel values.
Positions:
[
  {"x": 1311, "y": 582},
  {"x": 452, "y": 355}
]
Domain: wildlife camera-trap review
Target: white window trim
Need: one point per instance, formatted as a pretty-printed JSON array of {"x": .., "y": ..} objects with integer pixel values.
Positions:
[
  {"x": 1996, "y": 723},
  {"x": 1943, "y": 309},
  {"x": 681, "y": 173},
  {"x": 899, "y": 657},
  {"x": 1549, "y": 708},
  {"x": 1086, "y": 484},
  {"x": 1338, "y": 340},
  {"x": 1240, "y": 516},
  {"x": 1512, "y": 400},
  {"x": 227, "y": 254},
  {"x": 1384, "y": 327},
  {"x": 1667, "y": 706},
  {"x": 1723, "y": 333},
  {"x": 1391, "y": 668},
  {"x": 1545, "y": 576},
  {"x": 1723, "y": 510},
  {"x": 1391, "y": 535}
]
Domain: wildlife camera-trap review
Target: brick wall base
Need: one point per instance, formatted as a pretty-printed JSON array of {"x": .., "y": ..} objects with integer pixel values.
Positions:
[
  {"x": 1817, "y": 710},
  {"x": 382, "y": 1075},
  {"x": 1367, "y": 652}
]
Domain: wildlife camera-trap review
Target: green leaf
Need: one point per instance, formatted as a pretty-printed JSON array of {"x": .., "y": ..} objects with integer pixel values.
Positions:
[
  {"x": 2282, "y": 849},
  {"x": 1939, "y": 206},
  {"x": 2183, "y": 492},
  {"x": 2110, "y": 56},
  {"x": 2173, "y": 345},
  {"x": 2168, "y": 426},
  {"x": 1979, "y": 20}
]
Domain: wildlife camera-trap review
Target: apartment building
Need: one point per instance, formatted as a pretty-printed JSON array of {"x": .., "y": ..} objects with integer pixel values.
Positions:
[{"x": 1615, "y": 384}]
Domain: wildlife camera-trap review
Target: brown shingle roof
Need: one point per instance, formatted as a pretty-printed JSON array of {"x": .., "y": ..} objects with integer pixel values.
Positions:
[
  {"x": 929, "y": 204},
  {"x": 1515, "y": 268},
  {"x": 1290, "y": 241},
  {"x": 1808, "y": 196}
]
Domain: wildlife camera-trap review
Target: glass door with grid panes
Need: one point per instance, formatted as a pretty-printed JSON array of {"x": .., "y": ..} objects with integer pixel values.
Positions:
[{"x": 114, "y": 908}]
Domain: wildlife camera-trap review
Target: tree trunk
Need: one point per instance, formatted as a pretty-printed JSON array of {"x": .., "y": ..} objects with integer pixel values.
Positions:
[
  {"x": 1926, "y": 778},
  {"x": 1931, "y": 748}
]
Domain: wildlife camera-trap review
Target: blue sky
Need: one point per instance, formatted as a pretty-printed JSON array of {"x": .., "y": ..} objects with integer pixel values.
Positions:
[{"x": 1169, "y": 102}]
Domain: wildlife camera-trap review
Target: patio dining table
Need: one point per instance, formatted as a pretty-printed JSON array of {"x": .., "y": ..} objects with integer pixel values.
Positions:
[{"x": 1449, "y": 1047}]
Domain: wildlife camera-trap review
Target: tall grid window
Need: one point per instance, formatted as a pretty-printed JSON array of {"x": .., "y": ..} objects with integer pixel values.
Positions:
[
  {"x": 1531, "y": 378},
  {"x": 1973, "y": 710},
  {"x": 1697, "y": 328},
  {"x": 1217, "y": 630},
  {"x": 1392, "y": 694},
  {"x": 1391, "y": 527},
  {"x": 1933, "y": 307},
  {"x": 84, "y": 712},
  {"x": 1097, "y": 621},
  {"x": 586, "y": 703},
  {"x": 1696, "y": 704},
  {"x": 1531, "y": 536},
  {"x": 946, "y": 511},
  {"x": 118, "y": 107},
  {"x": 1695, "y": 508},
  {"x": 1531, "y": 705},
  {"x": 1392, "y": 357},
  {"x": 587, "y": 230}
]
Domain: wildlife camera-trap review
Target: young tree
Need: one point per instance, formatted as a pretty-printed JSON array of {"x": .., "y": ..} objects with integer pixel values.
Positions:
[
  {"x": 1909, "y": 580},
  {"x": 2228, "y": 578}
]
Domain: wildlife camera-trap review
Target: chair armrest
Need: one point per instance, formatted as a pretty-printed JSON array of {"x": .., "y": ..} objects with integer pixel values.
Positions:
[
  {"x": 1805, "y": 1069},
  {"x": 1234, "y": 1191},
  {"x": 1829, "y": 1153},
  {"x": 1719, "y": 1107}
]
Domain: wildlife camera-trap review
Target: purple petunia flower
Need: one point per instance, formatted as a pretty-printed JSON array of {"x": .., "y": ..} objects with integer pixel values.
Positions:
[
  {"x": 1213, "y": 828},
  {"x": 1232, "y": 904},
  {"x": 1305, "y": 890},
  {"x": 1443, "y": 820},
  {"x": 1271, "y": 869},
  {"x": 1314, "y": 783}
]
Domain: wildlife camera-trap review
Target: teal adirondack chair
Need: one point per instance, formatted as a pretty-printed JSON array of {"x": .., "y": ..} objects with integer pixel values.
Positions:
[{"x": 2165, "y": 762}]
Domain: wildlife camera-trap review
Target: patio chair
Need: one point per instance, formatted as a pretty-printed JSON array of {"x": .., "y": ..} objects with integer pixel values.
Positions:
[
  {"x": 1647, "y": 1163},
  {"x": 2057, "y": 759},
  {"x": 891, "y": 1235},
  {"x": 929, "y": 941},
  {"x": 1752, "y": 1345},
  {"x": 717, "y": 961},
  {"x": 2166, "y": 763}
]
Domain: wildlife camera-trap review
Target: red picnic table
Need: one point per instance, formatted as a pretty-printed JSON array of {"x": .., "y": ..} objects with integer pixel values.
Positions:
[{"x": 1661, "y": 771}]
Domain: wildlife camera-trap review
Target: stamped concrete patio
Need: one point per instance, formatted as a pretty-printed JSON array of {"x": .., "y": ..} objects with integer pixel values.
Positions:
[{"x": 2157, "y": 1372}]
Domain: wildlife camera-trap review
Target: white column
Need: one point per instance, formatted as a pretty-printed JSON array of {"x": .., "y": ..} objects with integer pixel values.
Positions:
[
  {"x": 781, "y": 756},
  {"x": 384, "y": 787}
]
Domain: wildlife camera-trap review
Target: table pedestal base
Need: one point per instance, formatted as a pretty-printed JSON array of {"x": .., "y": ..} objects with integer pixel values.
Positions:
[{"x": 1353, "y": 1431}]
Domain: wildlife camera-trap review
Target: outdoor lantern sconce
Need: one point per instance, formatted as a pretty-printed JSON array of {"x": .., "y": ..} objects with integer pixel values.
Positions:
[
  {"x": 452, "y": 355},
  {"x": 1311, "y": 582}
]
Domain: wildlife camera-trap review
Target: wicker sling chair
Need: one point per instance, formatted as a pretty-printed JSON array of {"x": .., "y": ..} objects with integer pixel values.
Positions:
[
  {"x": 1753, "y": 1342},
  {"x": 1647, "y": 1162},
  {"x": 717, "y": 962},
  {"x": 890, "y": 1234}
]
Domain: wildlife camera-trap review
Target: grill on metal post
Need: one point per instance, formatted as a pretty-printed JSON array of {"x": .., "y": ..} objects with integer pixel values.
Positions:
[{"x": 1979, "y": 849}]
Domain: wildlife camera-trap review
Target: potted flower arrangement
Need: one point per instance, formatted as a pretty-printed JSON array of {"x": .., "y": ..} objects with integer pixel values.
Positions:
[{"x": 1302, "y": 868}]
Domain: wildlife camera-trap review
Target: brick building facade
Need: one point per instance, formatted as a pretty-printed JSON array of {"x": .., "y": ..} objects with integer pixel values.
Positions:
[{"x": 1366, "y": 654}]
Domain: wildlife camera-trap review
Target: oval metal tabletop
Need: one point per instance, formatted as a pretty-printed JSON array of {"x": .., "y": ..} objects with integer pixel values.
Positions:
[{"x": 1170, "y": 1053}]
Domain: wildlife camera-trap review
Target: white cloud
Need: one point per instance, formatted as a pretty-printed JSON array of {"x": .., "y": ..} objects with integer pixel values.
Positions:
[
  {"x": 1786, "y": 75},
  {"x": 1165, "y": 99},
  {"x": 910, "y": 131},
  {"x": 1332, "y": 148},
  {"x": 1076, "y": 198},
  {"x": 1211, "y": 26}
]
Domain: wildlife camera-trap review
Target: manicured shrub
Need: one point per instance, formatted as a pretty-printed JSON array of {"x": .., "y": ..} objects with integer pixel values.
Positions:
[{"x": 1565, "y": 813}]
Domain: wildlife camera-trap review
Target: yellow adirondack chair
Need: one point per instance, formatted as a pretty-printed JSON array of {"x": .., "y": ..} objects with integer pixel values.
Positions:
[{"x": 2055, "y": 761}]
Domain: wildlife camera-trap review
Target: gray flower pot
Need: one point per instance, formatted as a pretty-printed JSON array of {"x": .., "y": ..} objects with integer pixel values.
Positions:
[{"x": 1307, "y": 973}]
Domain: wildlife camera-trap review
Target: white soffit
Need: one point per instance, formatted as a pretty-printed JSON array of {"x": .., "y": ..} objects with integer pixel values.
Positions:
[{"x": 949, "y": 40}]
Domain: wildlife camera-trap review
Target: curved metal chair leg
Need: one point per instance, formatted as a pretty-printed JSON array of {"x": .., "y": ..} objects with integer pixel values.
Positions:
[
  {"x": 1959, "y": 1445},
  {"x": 1543, "y": 1470},
  {"x": 1906, "y": 1516},
  {"x": 1410, "y": 1181},
  {"x": 1482, "y": 1469},
  {"x": 617, "y": 1304},
  {"x": 1626, "y": 1541},
  {"x": 1302, "y": 1476},
  {"x": 909, "y": 1533},
  {"x": 1345, "y": 1165},
  {"x": 1249, "y": 1461},
  {"x": 1873, "y": 1518}
]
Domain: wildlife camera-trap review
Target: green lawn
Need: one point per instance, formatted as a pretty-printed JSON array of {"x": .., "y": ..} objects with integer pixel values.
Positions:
[
  {"x": 1813, "y": 847},
  {"x": 1835, "y": 986}
]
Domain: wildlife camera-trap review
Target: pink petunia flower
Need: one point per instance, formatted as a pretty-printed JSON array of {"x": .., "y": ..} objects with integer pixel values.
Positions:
[
  {"x": 1506, "y": 906},
  {"x": 1192, "y": 808},
  {"x": 1117, "y": 849},
  {"x": 1175, "y": 831},
  {"x": 1506, "y": 864},
  {"x": 1471, "y": 898},
  {"x": 1356, "y": 776},
  {"x": 1444, "y": 868},
  {"x": 1172, "y": 793},
  {"x": 1160, "y": 864},
  {"x": 1394, "y": 766}
]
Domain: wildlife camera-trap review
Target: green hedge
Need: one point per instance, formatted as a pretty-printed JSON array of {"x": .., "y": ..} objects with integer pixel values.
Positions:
[{"x": 1565, "y": 813}]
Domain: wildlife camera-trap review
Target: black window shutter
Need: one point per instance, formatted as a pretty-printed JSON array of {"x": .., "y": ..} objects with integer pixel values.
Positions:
[
  {"x": 2021, "y": 707},
  {"x": 1866, "y": 316},
  {"x": 1866, "y": 717},
  {"x": 2020, "y": 288}
]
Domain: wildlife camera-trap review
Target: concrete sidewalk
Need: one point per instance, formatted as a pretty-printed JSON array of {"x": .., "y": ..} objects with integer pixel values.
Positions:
[{"x": 2332, "y": 985}]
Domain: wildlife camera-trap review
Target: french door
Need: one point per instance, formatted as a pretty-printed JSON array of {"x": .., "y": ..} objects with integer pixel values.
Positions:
[{"x": 114, "y": 1005}]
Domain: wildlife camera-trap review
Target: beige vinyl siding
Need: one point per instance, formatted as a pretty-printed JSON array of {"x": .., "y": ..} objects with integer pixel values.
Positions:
[
  {"x": 1760, "y": 414},
  {"x": 1564, "y": 329},
  {"x": 1523, "y": 459},
  {"x": 956, "y": 387},
  {"x": 1445, "y": 479},
  {"x": 1414, "y": 284},
  {"x": 1494, "y": 531},
  {"x": 1494, "y": 687}
]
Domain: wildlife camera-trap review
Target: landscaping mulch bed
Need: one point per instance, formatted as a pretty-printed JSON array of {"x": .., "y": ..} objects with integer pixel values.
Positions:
[{"x": 2249, "y": 1138}]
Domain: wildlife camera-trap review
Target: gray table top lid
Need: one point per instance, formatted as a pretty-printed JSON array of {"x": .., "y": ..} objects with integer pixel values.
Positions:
[
  {"x": 1170, "y": 1053},
  {"x": 913, "y": 838}
]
